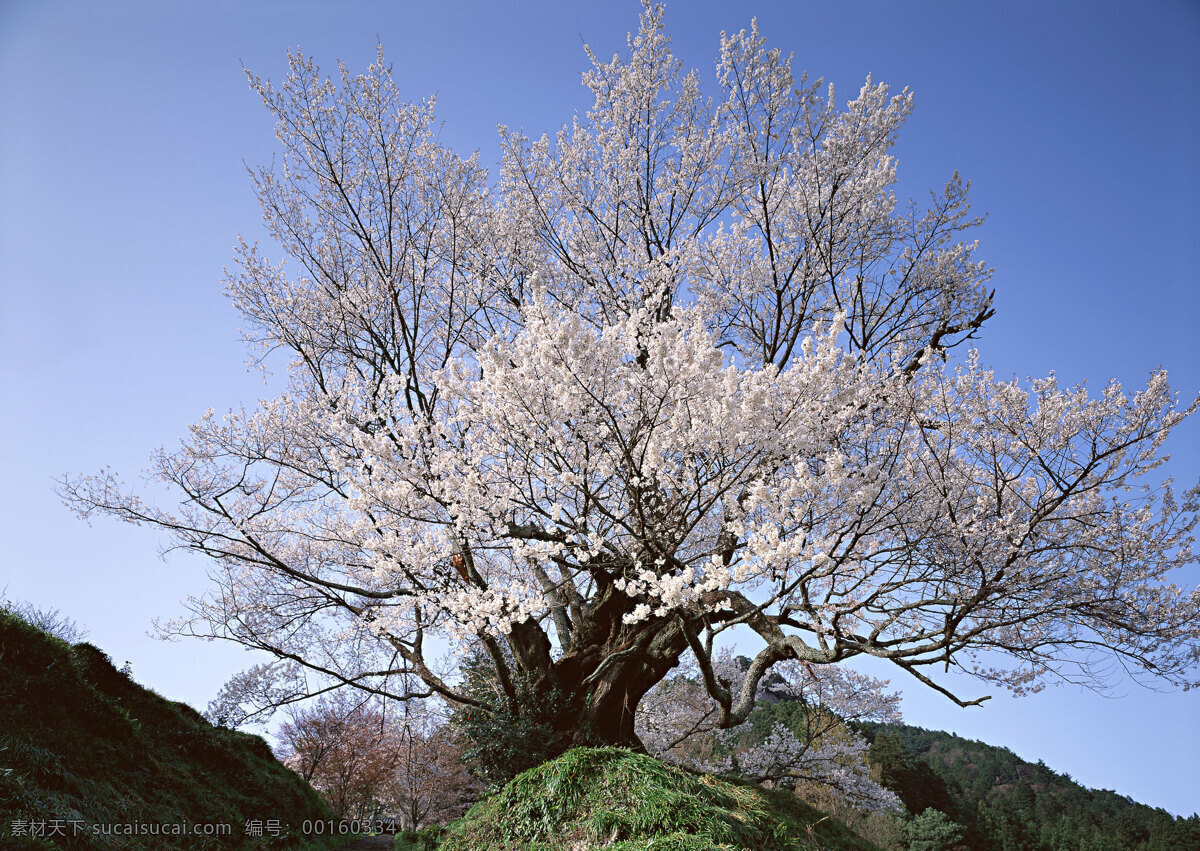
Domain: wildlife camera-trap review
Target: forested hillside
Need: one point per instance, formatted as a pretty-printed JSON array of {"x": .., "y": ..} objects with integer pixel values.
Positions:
[{"x": 1004, "y": 802}]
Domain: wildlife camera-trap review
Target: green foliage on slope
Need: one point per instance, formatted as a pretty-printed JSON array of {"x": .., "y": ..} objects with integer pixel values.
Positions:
[
  {"x": 1008, "y": 804},
  {"x": 83, "y": 744},
  {"x": 615, "y": 799}
]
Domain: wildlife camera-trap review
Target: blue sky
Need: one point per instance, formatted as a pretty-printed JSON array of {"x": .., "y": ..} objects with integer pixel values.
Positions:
[{"x": 125, "y": 126}]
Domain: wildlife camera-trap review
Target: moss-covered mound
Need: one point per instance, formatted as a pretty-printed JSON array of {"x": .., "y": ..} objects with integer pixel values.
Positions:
[
  {"x": 90, "y": 759},
  {"x": 614, "y": 799}
]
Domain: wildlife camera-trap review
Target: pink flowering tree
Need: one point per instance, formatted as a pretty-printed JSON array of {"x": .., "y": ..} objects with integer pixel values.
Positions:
[{"x": 685, "y": 366}]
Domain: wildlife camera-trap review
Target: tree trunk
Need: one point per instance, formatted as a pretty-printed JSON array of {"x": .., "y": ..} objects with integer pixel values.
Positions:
[
  {"x": 590, "y": 694},
  {"x": 610, "y": 703},
  {"x": 610, "y": 668}
]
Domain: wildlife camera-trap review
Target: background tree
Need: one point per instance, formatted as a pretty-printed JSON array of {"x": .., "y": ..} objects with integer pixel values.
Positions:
[
  {"x": 932, "y": 830},
  {"x": 682, "y": 368},
  {"x": 342, "y": 746},
  {"x": 430, "y": 782},
  {"x": 370, "y": 760},
  {"x": 798, "y": 735}
]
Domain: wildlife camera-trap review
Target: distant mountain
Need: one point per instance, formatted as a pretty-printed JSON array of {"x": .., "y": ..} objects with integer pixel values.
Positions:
[
  {"x": 1005, "y": 803},
  {"x": 90, "y": 759}
]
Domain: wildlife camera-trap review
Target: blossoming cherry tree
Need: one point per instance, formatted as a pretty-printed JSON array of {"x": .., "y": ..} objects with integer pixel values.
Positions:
[{"x": 687, "y": 365}]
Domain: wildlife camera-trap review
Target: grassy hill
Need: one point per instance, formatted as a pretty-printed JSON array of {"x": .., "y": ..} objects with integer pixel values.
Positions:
[
  {"x": 614, "y": 799},
  {"x": 618, "y": 800},
  {"x": 83, "y": 748}
]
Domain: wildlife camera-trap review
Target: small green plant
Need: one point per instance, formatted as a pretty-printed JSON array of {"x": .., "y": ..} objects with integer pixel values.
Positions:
[
  {"x": 425, "y": 839},
  {"x": 503, "y": 742}
]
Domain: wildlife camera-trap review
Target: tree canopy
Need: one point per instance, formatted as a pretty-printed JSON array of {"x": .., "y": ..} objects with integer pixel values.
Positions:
[{"x": 685, "y": 366}]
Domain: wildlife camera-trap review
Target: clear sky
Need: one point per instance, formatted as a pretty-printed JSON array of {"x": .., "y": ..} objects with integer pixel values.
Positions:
[{"x": 125, "y": 126}]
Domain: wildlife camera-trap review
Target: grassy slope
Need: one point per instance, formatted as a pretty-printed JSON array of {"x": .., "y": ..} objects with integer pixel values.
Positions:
[
  {"x": 615, "y": 799},
  {"x": 81, "y": 741}
]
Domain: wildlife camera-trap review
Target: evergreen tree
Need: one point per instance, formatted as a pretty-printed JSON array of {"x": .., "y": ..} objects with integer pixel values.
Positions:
[{"x": 932, "y": 831}]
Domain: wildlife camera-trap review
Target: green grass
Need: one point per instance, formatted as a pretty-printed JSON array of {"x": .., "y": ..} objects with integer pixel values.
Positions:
[
  {"x": 615, "y": 799},
  {"x": 80, "y": 741},
  {"x": 425, "y": 839}
]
